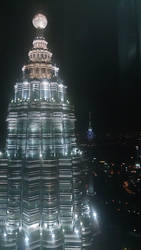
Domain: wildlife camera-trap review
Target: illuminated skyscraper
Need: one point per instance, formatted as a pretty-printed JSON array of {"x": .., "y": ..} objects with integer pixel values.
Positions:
[
  {"x": 43, "y": 173},
  {"x": 90, "y": 132}
]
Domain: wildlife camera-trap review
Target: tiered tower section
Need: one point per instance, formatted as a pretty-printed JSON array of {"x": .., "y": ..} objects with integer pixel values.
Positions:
[{"x": 44, "y": 172}]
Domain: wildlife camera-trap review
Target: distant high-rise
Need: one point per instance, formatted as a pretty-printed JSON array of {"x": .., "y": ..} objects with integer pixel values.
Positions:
[
  {"x": 129, "y": 39},
  {"x": 90, "y": 132},
  {"x": 42, "y": 173}
]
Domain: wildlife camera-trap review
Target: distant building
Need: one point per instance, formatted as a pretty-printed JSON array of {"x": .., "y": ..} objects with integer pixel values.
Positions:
[
  {"x": 129, "y": 39},
  {"x": 90, "y": 132}
]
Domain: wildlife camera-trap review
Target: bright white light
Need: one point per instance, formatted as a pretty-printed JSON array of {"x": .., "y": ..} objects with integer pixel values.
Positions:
[
  {"x": 61, "y": 85},
  {"x": 39, "y": 21},
  {"x": 45, "y": 82},
  {"x": 94, "y": 214},
  {"x": 88, "y": 208},
  {"x": 56, "y": 70},
  {"x": 76, "y": 230},
  {"x": 5, "y": 234},
  {"x": 35, "y": 225},
  {"x": 45, "y": 225},
  {"x": 138, "y": 165},
  {"x": 23, "y": 68},
  {"x": 76, "y": 216},
  {"x": 53, "y": 236},
  {"x": 26, "y": 239},
  {"x": 26, "y": 83}
]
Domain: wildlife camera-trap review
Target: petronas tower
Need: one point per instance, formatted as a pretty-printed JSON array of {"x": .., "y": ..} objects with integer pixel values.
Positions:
[{"x": 43, "y": 174}]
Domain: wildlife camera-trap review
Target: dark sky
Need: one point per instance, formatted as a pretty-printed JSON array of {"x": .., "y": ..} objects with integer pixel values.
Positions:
[{"x": 83, "y": 36}]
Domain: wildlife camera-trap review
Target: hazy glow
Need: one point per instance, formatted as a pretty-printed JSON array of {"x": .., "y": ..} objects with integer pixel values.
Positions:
[
  {"x": 39, "y": 21},
  {"x": 76, "y": 230},
  {"x": 45, "y": 82},
  {"x": 5, "y": 234},
  {"x": 26, "y": 83},
  {"x": 26, "y": 239},
  {"x": 76, "y": 216},
  {"x": 94, "y": 214}
]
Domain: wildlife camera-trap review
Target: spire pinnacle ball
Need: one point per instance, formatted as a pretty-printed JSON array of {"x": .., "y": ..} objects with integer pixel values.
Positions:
[{"x": 39, "y": 21}]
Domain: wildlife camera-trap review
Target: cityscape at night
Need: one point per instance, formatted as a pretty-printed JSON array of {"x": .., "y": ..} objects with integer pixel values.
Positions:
[{"x": 70, "y": 128}]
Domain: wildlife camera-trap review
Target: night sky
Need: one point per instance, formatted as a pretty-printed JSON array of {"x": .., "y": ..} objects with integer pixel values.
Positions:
[{"x": 83, "y": 36}]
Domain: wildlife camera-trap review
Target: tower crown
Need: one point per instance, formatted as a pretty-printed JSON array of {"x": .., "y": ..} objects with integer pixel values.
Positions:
[{"x": 39, "y": 66}]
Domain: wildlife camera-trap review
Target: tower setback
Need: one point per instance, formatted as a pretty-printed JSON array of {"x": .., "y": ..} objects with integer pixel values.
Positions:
[{"x": 42, "y": 171}]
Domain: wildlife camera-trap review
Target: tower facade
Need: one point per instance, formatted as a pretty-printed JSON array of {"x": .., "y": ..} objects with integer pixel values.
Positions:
[{"x": 43, "y": 173}]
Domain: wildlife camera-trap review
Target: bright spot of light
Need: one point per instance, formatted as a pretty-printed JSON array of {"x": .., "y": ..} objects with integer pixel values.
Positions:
[
  {"x": 94, "y": 214},
  {"x": 5, "y": 234},
  {"x": 76, "y": 230},
  {"x": 26, "y": 239},
  {"x": 35, "y": 225},
  {"x": 25, "y": 83},
  {"x": 76, "y": 216},
  {"x": 45, "y": 82}
]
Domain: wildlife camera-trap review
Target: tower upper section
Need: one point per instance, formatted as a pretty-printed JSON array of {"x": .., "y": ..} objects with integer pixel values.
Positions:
[{"x": 40, "y": 65}]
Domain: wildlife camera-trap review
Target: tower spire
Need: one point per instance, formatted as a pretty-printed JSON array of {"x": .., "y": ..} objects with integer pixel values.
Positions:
[
  {"x": 40, "y": 22},
  {"x": 90, "y": 123},
  {"x": 40, "y": 58}
]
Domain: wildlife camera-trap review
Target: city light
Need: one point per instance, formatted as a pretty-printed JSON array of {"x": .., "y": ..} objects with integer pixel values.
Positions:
[
  {"x": 76, "y": 230},
  {"x": 5, "y": 234},
  {"x": 40, "y": 21},
  {"x": 53, "y": 236},
  {"x": 26, "y": 239},
  {"x": 45, "y": 82},
  {"x": 25, "y": 83},
  {"x": 94, "y": 214}
]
